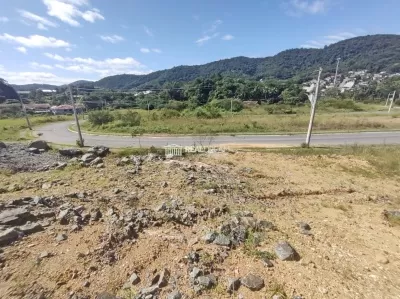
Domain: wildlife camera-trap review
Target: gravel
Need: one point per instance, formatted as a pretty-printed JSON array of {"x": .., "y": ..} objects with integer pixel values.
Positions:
[{"x": 17, "y": 159}]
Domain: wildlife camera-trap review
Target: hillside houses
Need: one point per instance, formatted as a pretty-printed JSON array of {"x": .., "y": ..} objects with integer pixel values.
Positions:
[{"x": 353, "y": 80}]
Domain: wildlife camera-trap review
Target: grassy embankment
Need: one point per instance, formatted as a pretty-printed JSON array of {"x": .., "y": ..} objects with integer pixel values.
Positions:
[
  {"x": 263, "y": 119},
  {"x": 16, "y": 129}
]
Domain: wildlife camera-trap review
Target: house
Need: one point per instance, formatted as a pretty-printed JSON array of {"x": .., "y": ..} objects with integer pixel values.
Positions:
[
  {"x": 38, "y": 108},
  {"x": 65, "y": 109}
]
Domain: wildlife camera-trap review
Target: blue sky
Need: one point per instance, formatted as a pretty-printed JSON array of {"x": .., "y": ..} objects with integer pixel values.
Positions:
[{"x": 59, "y": 41}]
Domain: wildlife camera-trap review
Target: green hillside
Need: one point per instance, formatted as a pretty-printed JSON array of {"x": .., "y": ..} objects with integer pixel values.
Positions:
[{"x": 374, "y": 52}]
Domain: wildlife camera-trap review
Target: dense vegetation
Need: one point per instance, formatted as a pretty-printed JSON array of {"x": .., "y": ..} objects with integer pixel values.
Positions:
[
  {"x": 6, "y": 91},
  {"x": 375, "y": 53}
]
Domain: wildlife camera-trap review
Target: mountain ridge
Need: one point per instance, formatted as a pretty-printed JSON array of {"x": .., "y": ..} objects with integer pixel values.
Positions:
[{"x": 374, "y": 53}]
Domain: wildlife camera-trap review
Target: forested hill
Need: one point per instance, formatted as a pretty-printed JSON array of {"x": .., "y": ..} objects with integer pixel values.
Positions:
[
  {"x": 6, "y": 91},
  {"x": 374, "y": 52}
]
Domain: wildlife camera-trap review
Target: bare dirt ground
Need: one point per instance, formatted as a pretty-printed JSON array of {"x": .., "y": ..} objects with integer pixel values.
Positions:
[{"x": 155, "y": 216}]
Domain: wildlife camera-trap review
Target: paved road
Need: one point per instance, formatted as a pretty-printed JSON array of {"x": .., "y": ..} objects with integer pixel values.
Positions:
[{"x": 58, "y": 133}]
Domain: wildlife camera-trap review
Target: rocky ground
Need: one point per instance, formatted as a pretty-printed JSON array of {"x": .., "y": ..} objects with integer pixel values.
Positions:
[{"x": 221, "y": 225}]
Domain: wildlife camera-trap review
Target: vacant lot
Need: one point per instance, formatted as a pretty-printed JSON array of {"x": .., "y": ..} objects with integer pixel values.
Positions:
[
  {"x": 265, "y": 119},
  {"x": 154, "y": 215}
]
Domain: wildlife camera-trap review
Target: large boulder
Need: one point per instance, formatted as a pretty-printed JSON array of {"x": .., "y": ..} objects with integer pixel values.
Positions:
[
  {"x": 100, "y": 151},
  {"x": 2, "y": 145},
  {"x": 87, "y": 158},
  {"x": 70, "y": 152},
  {"x": 17, "y": 216},
  {"x": 39, "y": 144},
  {"x": 9, "y": 235}
]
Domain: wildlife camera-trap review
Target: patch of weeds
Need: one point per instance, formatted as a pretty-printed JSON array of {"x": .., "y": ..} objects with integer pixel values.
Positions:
[
  {"x": 127, "y": 293},
  {"x": 264, "y": 255},
  {"x": 393, "y": 219},
  {"x": 230, "y": 163},
  {"x": 277, "y": 289},
  {"x": 207, "y": 259},
  {"x": 251, "y": 243},
  {"x": 342, "y": 207},
  {"x": 129, "y": 151}
]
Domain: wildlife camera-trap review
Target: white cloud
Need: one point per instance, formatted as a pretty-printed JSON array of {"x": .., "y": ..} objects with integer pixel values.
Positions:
[
  {"x": 228, "y": 37},
  {"x": 214, "y": 26},
  {"x": 40, "y": 26},
  {"x": 144, "y": 50},
  {"x": 148, "y": 31},
  {"x": 41, "y": 22},
  {"x": 206, "y": 38},
  {"x": 36, "y": 65},
  {"x": 69, "y": 11},
  {"x": 300, "y": 7},
  {"x": 147, "y": 50},
  {"x": 4, "y": 19},
  {"x": 35, "y": 77},
  {"x": 92, "y": 15},
  {"x": 112, "y": 38},
  {"x": 210, "y": 33},
  {"x": 54, "y": 56},
  {"x": 328, "y": 39},
  {"x": 106, "y": 67},
  {"x": 21, "y": 49},
  {"x": 35, "y": 41}
]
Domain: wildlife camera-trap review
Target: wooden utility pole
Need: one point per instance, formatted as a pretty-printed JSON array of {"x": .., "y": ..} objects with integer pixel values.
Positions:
[
  {"x": 76, "y": 116},
  {"x": 313, "y": 99}
]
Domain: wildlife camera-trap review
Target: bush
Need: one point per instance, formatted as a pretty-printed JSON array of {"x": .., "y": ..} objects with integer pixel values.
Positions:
[
  {"x": 100, "y": 117},
  {"x": 208, "y": 112},
  {"x": 168, "y": 113},
  {"x": 341, "y": 104},
  {"x": 131, "y": 118},
  {"x": 225, "y": 104},
  {"x": 176, "y": 105}
]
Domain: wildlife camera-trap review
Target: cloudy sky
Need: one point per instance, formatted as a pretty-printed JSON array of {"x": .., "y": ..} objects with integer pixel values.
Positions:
[{"x": 60, "y": 41}]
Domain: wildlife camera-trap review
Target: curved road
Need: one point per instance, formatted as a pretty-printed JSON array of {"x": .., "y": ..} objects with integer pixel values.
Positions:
[{"x": 59, "y": 133}]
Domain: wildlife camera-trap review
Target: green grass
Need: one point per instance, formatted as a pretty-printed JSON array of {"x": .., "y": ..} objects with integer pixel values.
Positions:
[
  {"x": 16, "y": 129},
  {"x": 329, "y": 117}
]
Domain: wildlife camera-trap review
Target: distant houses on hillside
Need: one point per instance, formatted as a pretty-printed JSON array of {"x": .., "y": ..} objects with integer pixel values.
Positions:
[{"x": 55, "y": 110}]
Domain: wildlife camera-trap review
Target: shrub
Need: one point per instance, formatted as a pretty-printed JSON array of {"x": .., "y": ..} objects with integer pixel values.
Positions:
[
  {"x": 176, "y": 105},
  {"x": 341, "y": 104},
  {"x": 131, "y": 118},
  {"x": 168, "y": 113},
  {"x": 100, "y": 117},
  {"x": 225, "y": 104}
]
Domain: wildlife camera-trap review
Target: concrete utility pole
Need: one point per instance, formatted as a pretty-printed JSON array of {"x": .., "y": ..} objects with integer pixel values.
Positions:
[
  {"x": 25, "y": 114},
  {"x": 231, "y": 107},
  {"x": 313, "y": 99},
  {"x": 391, "y": 101},
  {"x": 337, "y": 69},
  {"x": 388, "y": 97},
  {"x": 76, "y": 116}
]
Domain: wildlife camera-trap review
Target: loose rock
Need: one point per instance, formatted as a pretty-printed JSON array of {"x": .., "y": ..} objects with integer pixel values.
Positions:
[
  {"x": 222, "y": 240},
  {"x": 233, "y": 284},
  {"x": 9, "y": 235},
  {"x": 253, "y": 282},
  {"x": 39, "y": 144},
  {"x": 285, "y": 252},
  {"x": 210, "y": 237},
  {"x": 174, "y": 295},
  {"x": 61, "y": 237}
]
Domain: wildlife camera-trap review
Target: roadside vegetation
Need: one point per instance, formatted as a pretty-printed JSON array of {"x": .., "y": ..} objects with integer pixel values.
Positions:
[{"x": 332, "y": 115}]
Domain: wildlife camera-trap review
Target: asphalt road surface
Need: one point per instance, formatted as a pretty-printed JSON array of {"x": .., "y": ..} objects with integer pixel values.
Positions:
[{"x": 59, "y": 133}]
